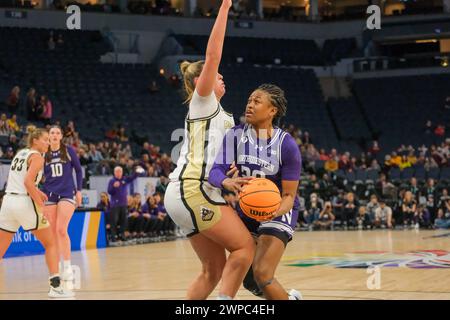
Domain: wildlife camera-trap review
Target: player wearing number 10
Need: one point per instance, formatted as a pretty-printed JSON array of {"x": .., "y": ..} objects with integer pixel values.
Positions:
[{"x": 63, "y": 196}]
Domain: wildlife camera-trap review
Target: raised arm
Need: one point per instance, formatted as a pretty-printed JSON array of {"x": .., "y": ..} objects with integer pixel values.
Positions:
[{"x": 207, "y": 79}]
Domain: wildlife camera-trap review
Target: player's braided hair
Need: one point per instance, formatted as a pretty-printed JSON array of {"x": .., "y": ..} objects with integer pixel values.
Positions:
[
  {"x": 62, "y": 149},
  {"x": 277, "y": 98}
]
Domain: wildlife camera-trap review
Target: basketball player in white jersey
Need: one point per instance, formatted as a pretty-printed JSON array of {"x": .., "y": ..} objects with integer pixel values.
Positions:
[
  {"x": 23, "y": 203},
  {"x": 192, "y": 203}
]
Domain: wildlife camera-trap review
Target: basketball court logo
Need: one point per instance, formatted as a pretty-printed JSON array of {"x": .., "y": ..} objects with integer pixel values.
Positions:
[
  {"x": 425, "y": 259},
  {"x": 206, "y": 214}
]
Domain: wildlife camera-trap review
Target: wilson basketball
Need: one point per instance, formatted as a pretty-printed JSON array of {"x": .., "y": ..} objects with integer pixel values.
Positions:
[{"x": 260, "y": 198}]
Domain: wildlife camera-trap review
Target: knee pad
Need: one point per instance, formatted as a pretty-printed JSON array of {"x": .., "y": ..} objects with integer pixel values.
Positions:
[{"x": 251, "y": 285}]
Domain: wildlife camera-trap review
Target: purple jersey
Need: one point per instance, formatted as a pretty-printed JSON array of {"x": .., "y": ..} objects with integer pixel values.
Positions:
[
  {"x": 59, "y": 174},
  {"x": 277, "y": 158}
]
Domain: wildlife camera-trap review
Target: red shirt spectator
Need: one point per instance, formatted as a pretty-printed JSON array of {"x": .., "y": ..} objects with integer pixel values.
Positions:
[{"x": 439, "y": 131}]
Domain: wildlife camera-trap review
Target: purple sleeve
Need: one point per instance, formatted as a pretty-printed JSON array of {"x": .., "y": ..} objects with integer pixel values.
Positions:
[
  {"x": 131, "y": 178},
  {"x": 145, "y": 208},
  {"x": 291, "y": 160},
  {"x": 77, "y": 166},
  {"x": 223, "y": 161}
]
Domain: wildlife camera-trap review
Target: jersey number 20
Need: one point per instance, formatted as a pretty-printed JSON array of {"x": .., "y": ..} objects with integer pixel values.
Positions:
[
  {"x": 247, "y": 172},
  {"x": 57, "y": 170}
]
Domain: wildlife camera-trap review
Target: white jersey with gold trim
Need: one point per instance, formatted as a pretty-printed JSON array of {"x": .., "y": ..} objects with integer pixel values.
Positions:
[
  {"x": 205, "y": 128},
  {"x": 18, "y": 172}
]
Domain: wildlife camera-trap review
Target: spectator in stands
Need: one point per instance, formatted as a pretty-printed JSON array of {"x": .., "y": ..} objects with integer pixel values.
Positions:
[
  {"x": 168, "y": 224},
  {"x": 396, "y": 160},
  {"x": 350, "y": 211},
  {"x": 443, "y": 219},
  {"x": 4, "y": 129},
  {"x": 437, "y": 155},
  {"x": 84, "y": 157},
  {"x": 413, "y": 187},
  {"x": 161, "y": 186},
  {"x": 440, "y": 130},
  {"x": 47, "y": 110},
  {"x": 306, "y": 138},
  {"x": 430, "y": 187},
  {"x": 31, "y": 105},
  {"x": 363, "y": 219},
  {"x": 12, "y": 102},
  {"x": 94, "y": 154},
  {"x": 361, "y": 162},
  {"x": 408, "y": 208},
  {"x": 337, "y": 202},
  {"x": 344, "y": 162},
  {"x": 404, "y": 163},
  {"x": 9, "y": 154},
  {"x": 353, "y": 164},
  {"x": 383, "y": 216},
  {"x": 372, "y": 207},
  {"x": 375, "y": 165},
  {"x": 313, "y": 209},
  {"x": 326, "y": 218},
  {"x": 311, "y": 155},
  {"x": 121, "y": 135},
  {"x": 447, "y": 103},
  {"x": 12, "y": 124},
  {"x": 375, "y": 148},
  {"x": 69, "y": 130},
  {"x": 118, "y": 189},
  {"x": 104, "y": 205},
  {"x": 153, "y": 223},
  {"x": 135, "y": 219},
  {"x": 323, "y": 156},
  {"x": 13, "y": 143},
  {"x": 430, "y": 163},
  {"x": 443, "y": 199},
  {"x": 331, "y": 165},
  {"x": 422, "y": 217}
]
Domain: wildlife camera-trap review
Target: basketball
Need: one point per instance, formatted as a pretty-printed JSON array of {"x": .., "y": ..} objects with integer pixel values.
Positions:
[{"x": 259, "y": 199}]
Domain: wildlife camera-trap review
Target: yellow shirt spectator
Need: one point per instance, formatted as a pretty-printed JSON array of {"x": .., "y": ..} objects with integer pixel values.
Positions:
[
  {"x": 396, "y": 160},
  {"x": 412, "y": 159},
  {"x": 12, "y": 123},
  {"x": 331, "y": 165},
  {"x": 404, "y": 163}
]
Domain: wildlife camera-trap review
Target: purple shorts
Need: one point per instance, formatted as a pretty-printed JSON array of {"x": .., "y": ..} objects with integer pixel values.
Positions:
[
  {"x": 54, "y": 198},
  {"x": 281, "y": 227}
]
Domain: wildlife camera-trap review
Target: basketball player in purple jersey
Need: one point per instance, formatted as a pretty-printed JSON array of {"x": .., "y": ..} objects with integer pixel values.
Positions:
[
  {"x": 260, "y": 149},
  {"x": 63, "y": 196}
]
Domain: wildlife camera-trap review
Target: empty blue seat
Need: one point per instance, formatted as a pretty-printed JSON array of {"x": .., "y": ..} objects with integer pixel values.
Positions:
[
  {"x": 394, "y": 174},
  {"x": 407, "y": 174}
]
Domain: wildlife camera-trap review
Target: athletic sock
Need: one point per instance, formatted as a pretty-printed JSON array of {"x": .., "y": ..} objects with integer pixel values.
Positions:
[
  {"x": 67, "y": 264},
  {"x": 223, "y": 297}
]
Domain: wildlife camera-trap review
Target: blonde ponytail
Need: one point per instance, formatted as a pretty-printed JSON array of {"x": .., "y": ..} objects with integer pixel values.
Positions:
[{"x": 190, "y": 71}]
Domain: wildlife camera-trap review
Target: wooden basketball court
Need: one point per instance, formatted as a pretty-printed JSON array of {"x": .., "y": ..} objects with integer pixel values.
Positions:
[{"x": 322, "y": 265}]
